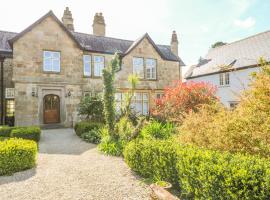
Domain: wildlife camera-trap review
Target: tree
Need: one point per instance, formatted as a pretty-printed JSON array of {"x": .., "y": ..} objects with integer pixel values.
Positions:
[
  {"x": 183, "y": 98},
  {"x": 218, "y": 44},
  {"x": 91, "y": 108},
  {"x": 109, "y": 93}
]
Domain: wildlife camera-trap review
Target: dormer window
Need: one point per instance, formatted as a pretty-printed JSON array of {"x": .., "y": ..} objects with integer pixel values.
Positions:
[
  {"x": 51, "y": 61},
  {"x": 224, "y": 79}
]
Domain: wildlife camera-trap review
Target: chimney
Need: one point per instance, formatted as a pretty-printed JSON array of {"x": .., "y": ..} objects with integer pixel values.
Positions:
[
  {"x": 67, "y": 19},
  {"x": 99, "y": 25},
  {"x": 174, "y": 43}
]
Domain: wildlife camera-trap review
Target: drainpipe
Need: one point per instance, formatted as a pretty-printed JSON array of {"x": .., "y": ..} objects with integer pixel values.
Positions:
[{"x": 2, "y": 89}]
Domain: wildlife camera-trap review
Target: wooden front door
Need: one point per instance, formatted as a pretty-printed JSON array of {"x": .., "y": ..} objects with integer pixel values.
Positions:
[{"x": 51, "y": 104}]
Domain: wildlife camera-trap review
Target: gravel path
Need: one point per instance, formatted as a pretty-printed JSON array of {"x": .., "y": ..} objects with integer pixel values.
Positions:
[{"x": 69, "y": 168}]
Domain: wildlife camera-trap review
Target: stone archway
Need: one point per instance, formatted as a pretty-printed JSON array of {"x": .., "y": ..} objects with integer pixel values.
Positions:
[{"x": 51, "y": 109}]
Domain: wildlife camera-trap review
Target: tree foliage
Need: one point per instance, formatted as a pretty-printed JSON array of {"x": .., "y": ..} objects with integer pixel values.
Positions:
[
  {"x": 218, "y": 44},
  {"x": 91, "y": 108},
  {"x": 183, "y": 98},
  {"x": 245, "y": 129},
  {"x": 109, "y": 93}
]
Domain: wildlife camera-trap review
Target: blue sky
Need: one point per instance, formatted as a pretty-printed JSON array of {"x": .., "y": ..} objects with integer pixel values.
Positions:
[{"x": 199, "y": 23}]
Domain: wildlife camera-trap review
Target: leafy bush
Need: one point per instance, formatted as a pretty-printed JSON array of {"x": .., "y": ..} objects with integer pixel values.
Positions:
[
  {"x": 5, "y": 131},
  {"x": 181, "y": 99},
  {"x": 85, "y": 127},
  {"x": 91, "y": 107},
  {"x": 111, "y": 146},
  {"x": 245, "y": 129},
  {"x": 157, "y": 130},
  {"x": 124, "y": 129},
  {"x": 92, "y": 136},
  {"x": 199, "y": 173},
  {"x": 30, "y": 133},
  {"x": 17, "y": 155}
]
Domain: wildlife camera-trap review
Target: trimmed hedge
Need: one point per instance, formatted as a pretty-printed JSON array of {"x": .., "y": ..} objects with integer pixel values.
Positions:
[
  {"x": 17, "y": 155},
  {"x": 85, "y": 127},
  {"x": 199, "y": 173},
  {"x": 5, "y": 131},
  {"x": 30, "y": 133}
]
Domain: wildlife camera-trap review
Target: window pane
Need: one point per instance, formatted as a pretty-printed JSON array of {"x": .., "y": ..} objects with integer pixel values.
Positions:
[
  {"x": 47, "y": 54},
  {"x": 51, "y": 61},
  {"x": 87, "y": 65},
  {"x": 56, "y": 55},
  {"x": 221, "y": 82},
  {"x": 145, "y": 108},
  {"x": 10, "y": 108},
  {"x": 138, "y": 67},
  {"x": 227, "y": 78},
  {"x": 151, "y": 68},
  {"x": 47, "y": 65},
  {"x": 139, "y": 107},
  {"x": 98, "y": 65},
  {"x": 56, "y": 65}
]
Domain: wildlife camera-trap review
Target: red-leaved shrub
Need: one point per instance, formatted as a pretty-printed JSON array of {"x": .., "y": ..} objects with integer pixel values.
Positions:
[{"x": 182, "y": 98}]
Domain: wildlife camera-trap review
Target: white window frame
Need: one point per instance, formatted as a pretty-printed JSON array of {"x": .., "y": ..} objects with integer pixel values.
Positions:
[
  {"x": 87, "y": 62},
  {"x": 54, "y": 59},
  {"x": 10, "y": 93},
  {"x": 159, "y": 95},
  {"x": 151, "y": 70},
  {"x": 138, "y": 69},
  {"x": 224, "y": 79},
  {"x": 98, "y": 66}
]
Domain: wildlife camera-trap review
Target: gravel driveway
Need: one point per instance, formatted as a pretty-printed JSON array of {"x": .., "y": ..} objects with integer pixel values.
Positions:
[{"x": 69, "y": 168}]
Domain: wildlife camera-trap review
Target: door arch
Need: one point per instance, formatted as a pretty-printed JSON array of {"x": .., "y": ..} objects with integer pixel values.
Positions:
[{"x": 51, "y": 108}]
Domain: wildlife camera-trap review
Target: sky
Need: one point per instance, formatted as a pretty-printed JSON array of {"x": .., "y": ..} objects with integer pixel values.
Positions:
[{"x": 198, "y": 23}]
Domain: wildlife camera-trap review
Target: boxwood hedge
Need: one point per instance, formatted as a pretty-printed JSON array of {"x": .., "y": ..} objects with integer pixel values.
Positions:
[
  {"x": 30, "y": 133},
  {"x": 85, "y": 127},
  {"x": 200, "y": 173},
  {"x": 17, "y": 155},
  {"x": 5, "y": 131}
]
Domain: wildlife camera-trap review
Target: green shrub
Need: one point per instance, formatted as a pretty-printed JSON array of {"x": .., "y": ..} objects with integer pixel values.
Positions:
[
  {"x": 5, "y": 131},
  {"x": 199, "y": 173},
  {"x": 111, "y": 146},
  {"x": 84, "y": 127},
  {"x": 124, "y": 129},
  {"x": 17, "y": 155},
  {"x": 155, "y": 159},
  {"x": 30, "y": 133},
  {"x": 92, "y": 136},
  {"x": 157, "y": 130}
]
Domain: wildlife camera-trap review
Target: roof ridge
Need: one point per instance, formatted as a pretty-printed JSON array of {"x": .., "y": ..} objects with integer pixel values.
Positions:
[
  {"x": 104, "y": 36},
  {"x": 231, "y": 43}
]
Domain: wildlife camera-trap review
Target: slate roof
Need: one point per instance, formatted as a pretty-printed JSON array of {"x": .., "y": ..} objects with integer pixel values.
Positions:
[
  {"x": 4, "y": 37},
  {"x": 91, "y": 42},
  {"x": 240, "y": 54}
]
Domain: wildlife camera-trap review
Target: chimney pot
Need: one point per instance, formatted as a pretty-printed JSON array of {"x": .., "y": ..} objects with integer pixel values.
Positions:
[
  {"x": 174, "y": 43},
  {"x": 99, "y": 25},
  {"x": 67, "y": 19}
]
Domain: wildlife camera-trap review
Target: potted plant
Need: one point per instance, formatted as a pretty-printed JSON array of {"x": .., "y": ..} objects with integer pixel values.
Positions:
[{"x": 164, "y": 184}]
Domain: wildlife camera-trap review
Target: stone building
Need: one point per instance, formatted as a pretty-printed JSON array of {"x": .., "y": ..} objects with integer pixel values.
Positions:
[{"x": 48, "y": 68}]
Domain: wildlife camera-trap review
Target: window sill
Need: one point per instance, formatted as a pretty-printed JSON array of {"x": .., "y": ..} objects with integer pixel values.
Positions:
[
  {"x": 93, "y": 77},
  {"x": 50, "y": 72},
  {"x": 224, "y": 86}
]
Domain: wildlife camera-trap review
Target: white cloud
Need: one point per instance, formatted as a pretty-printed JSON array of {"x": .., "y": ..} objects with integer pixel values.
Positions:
[{"x": 246, "y": 23}]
